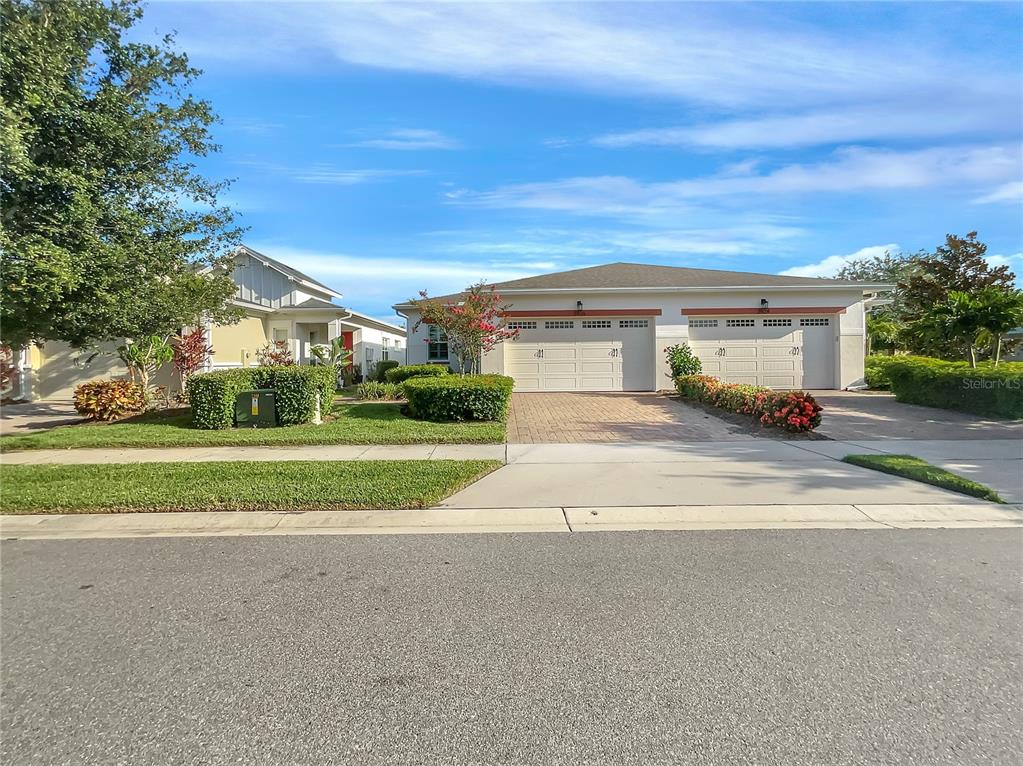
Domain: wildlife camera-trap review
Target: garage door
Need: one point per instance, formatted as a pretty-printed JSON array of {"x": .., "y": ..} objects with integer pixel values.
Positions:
[
  {"x": 777, "y": 352},
  {"x": 594, "y": 354},
  {"x": 582, "y": 366}
]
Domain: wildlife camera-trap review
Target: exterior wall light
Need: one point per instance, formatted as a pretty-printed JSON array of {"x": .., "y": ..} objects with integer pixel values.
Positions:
[
  {"x": 763, "y": 305},
  {"x": 579, "y": 306}
]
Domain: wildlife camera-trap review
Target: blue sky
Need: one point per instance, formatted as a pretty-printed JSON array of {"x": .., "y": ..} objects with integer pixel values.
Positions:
[{"x": 387, "y": 148}]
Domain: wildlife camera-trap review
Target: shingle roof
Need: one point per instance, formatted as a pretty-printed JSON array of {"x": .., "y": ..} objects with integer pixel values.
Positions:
[
  {"x": 285, "y": 268},
  {"x": 625, "y": 275},
  {"x": 315, "y": 303},
  {"x": 642, "y": 275}
]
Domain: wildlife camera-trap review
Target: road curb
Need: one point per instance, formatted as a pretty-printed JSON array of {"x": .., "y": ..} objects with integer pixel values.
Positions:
[{"x": 494, "y": 520}]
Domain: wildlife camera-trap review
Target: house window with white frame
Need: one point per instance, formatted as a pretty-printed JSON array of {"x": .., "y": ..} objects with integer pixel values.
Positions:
[{"x": 437, "y": 344}]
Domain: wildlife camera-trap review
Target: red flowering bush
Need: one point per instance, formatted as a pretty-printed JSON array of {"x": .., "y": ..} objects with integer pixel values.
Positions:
[{"x": 791, "y": 410}]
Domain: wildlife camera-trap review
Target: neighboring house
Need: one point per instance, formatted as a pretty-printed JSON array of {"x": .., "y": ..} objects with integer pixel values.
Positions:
[
  {"x": 283, "y": 304},
  {"x": 606, "y": 328},
  {"x": 280, "y": 303}
]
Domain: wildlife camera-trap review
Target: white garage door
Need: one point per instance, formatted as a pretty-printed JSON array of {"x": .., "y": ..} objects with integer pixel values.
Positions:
[
  {"x": 582, "y": 366},
  {"x": 598, "y": 354},
  {"x": 777, "y": 352}
]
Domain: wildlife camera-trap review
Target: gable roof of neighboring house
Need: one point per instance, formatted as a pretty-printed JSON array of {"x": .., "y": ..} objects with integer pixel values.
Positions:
[
  {"x": 641, "y": 276},
  {"x": 315, "y": 303},
  {"x": 363, "y": 320},
  {"x": 287, "y": 270}
]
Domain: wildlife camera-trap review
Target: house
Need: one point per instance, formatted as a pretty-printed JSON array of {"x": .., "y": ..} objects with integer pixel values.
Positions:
[
  {"x": 280, "y": 303},
  {"x": 606, "y": 328},
  {"x": 283, "y": 304}
]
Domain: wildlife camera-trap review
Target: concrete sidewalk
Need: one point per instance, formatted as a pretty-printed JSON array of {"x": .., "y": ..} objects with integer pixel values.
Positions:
[{"x": 483, "y": 520}]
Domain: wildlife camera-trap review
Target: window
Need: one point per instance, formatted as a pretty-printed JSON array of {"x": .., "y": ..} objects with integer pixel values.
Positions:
[
  {"x": 703, "y": 323},
  {"x": 558, "y": 324},
  {"x": 815, "y": 322},
  {"x": 777, "y": 323},
  {"x": 627, "y": 323},
  {"x": 596, "y": 324},
  {"x": 437, "y": 344},
  {"x": 280, "y": 333},
  {"x": 519, "y": 324},
  {"x": 740, "y": 322}
]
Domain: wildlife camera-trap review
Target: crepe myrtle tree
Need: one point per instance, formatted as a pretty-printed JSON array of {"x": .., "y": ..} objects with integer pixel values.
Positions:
[{"x": 472, "y": 323}]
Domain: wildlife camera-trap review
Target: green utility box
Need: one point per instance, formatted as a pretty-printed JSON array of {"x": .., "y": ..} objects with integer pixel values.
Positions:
[{"x": 255, "y": 409}]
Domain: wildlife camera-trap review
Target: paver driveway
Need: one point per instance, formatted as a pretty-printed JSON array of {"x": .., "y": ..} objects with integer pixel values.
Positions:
[{"x": 607, "y": 417}]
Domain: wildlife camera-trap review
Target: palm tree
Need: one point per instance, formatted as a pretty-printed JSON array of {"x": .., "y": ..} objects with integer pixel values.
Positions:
[{"x": 998, "y": 311}]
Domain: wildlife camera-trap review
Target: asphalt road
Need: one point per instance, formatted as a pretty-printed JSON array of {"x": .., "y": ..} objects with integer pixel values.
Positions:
[{"x": 767, "y": 647}]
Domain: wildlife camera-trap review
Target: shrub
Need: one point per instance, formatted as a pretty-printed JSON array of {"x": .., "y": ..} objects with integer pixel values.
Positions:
[
  {"x": 792, "y": 410},
  {"x": 683, "y": 361},
  {"x": 876, "y": 367},
  {"x": 374, "y": 390},
  {"x": 212, "y": 396},
  {"x": 454, "y": 397},
  {"x": 296, "y": 389},
  {"x": 406, "y": 371},
  {"x": 109, "y": 399},
  {"x": 381, "y": 369},
  {"x": 276, "y": 353},
  {"x": 985, "y": 390}
]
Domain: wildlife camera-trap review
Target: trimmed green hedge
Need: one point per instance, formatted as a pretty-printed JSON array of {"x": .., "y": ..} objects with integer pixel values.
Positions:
[
  {"x": 295, "y": 389},
  {"x": 876, "y": 367},
  {"x": 456, "y": 397},
  {"x": 381, "y": 369},
  {"x": 406, "y": 371},
  {"x": 212, "y": 394},
  {"x": 986, "y": 390}
]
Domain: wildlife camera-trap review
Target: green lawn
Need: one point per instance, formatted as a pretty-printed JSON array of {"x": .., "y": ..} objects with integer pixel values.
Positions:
[
  {"x": 914, "y": 468},
  {"x": 235, "y": 486},
  {"x": 359, "y": 423}
]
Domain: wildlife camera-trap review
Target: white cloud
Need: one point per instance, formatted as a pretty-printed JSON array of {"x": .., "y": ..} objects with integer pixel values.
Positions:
[
  {"x": 325, "y": 173},
  {"x": 831, "y": 265},
  {"x": 848, "y": 170},
  {"x": 1008, "y": 192},
  {"x": 698, "y": 53},
  {"x": 976, "y": 112},
  {"x": 409, "y": 139}
]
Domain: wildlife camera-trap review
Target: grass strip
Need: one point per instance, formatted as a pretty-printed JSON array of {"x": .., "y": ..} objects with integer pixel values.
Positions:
[
  {"x": 363, "y": 423},
  {"x": 234, "y": 486},
  {"x": 910, "y": 467}
]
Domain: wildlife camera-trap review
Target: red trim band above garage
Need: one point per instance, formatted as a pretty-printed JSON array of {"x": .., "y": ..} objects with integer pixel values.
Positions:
[
  {"x": 585, "y": 313},
  {"x": 782, "y": 310}
]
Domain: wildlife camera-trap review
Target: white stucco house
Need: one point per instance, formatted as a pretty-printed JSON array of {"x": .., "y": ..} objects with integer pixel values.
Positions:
[
  {"x": 606, "y": 328},
  {"x": 279, "y": 302}
]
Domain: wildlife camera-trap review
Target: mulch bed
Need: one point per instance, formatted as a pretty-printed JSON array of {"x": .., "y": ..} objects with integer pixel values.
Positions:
[{"x": 750, "y": 425}]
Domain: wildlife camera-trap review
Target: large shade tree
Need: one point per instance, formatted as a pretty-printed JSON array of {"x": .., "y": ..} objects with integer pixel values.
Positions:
[{"x": 107, "y": 226}]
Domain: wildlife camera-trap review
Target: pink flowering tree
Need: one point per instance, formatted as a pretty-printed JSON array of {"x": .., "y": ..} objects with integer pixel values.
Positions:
[{"x": 473, "y": 323}]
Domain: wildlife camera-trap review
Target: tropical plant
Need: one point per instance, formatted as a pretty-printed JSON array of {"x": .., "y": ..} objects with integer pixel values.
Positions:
[
  {"x": 1000, "y": 311},
  {"x": 473, "y": 323},
  {"x": 276, "y": 353},
  {"x": 109, "y": 399},
  {"x": 884, "y": 332},
  {"x": 333, "y": 354},
  {"x": 8, "y": 371},
  {"x": 108, "y": 229},
  {"x": 682, "y": 360},
  {"x": 144, "y": 357},
  {"x": 191, "y": 352},
  {"x": 974, "y": 321}
]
